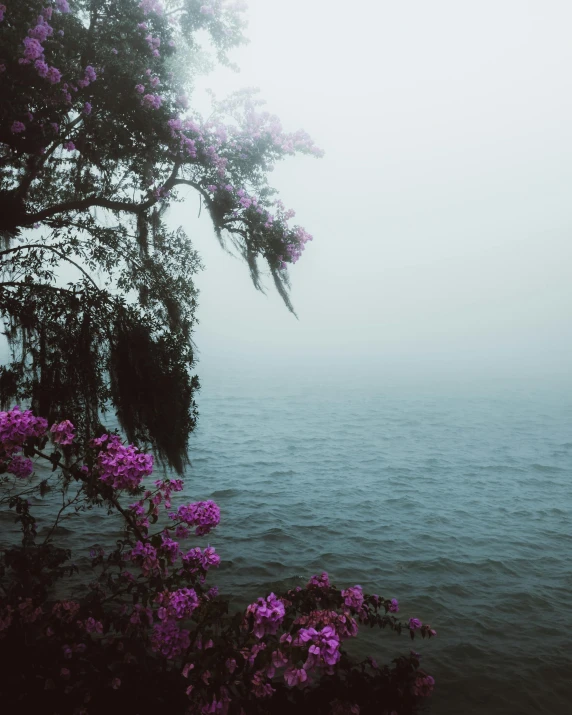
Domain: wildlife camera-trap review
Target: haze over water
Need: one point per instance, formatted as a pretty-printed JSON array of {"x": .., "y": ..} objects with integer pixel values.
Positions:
[
  {"x": 457, "y": 503},
  {"x": 412, "y": 432}
]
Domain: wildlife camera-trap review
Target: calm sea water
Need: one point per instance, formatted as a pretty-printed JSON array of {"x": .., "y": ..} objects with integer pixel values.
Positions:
[{"x": 457, "y": 505}]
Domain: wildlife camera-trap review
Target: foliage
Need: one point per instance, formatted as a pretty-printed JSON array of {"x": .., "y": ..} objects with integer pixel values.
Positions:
[
  {"x": 96, "y": 142},
  {"x": 149, "y": 632}
]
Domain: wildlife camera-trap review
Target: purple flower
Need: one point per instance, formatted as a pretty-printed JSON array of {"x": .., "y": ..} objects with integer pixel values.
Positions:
[
  {"x": 93, "y": 626},
  {"x": 424, "y": 684},
  {"x": 41, "y": 31},
  {"x": 90, "y": 74},
  {"x": 62, "y": 432},
  {"x": 321, "y": 581},
  {"x": 268, "y": 615},
  {"x": 54, "y": 75},
  {"x": 62, "y": 6},
  {"x": 170, "y": 548},
  {"x": 394, "y": 607},
  {"x": 123, "y": 467},
  {"x": 139, "y": 88},
  {"x": 41, "y": 67},
  {"x": 2, "y": 11},
  {"x": 177, "y": 604},
  {"x": 154, "y": 44},
  {"x": 87, "y": 108},
  {"x": 69, "y": 146},
  {"x": 153, "y": 101},
  {"x": 20, "y": 467},
  {"x": 414, "y": 623},
  {"x": 353, "y": 597},
  {"x": 295, "y": 676},
  {"x": 151, "y": 6},
  {"x": 169, "y": 640},
  {"x": 145, "y": 556},
  {"x": 17, "y": 426},
  {"x": 17, "y": 128},
  {"x": 33, "y": 49},
  {"x": 324, "y": 646},
  {"x": 204, "y": 515},
  {"x": 196, "y": 559}
]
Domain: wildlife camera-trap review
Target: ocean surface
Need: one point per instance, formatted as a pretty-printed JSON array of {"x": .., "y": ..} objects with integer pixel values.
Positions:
[{"x": 457, "y": 503}]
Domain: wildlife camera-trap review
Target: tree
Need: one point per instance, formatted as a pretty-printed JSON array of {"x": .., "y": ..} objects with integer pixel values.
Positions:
[{"x": 96, "y": 141}]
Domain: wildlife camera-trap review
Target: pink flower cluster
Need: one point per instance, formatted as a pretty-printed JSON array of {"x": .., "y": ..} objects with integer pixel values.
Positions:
[
  {"x": 177, "y": 604},
  {"x": 152, "y": 101},
  {"x": 324, "y": 646},
  {"x": 20, "y": 467},
  {"x": 204, "y": 515},
  {"x": 344, "y": 625},
  {"x": 90, "y": 76},
  {"x": 295, "y": 676},
  {"x": 63, "y": 432},
  {"x": 145, "y": 556},
  {"x": 169, "y": 548},
  {"x": 261, "y": 688},
  {"x": 17, "y": 426},
  {"x": 119, "y": 466},
  {"x": 139, "y": 614},
  {"x": 93, "y": 626},
  {"x": 27, "y": 612},
  {"x": 321, "y": 581},
  {"x": 195, "y": 559},
  {"x": 353, "y": 597},
  {"x": 34, "y": 50},
  {"x": 154, "y": 44},
  {"x": 42, "y": 30},
  {"x": 151, "y": 6},
  {"x": 167, "y": 486},
  {"x": 170, "y": 640},
  {"x": 65, "y": 611},
  {"x": 423, "y": 686},
  {"x": 268, "y": 614}
]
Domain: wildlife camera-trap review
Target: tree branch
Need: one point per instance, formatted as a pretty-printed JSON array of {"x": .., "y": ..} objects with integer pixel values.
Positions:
[
  {"x": 18, "y": 284},
  {"x": 84, "y": 204},
  {"x": 54, "y": 250}
]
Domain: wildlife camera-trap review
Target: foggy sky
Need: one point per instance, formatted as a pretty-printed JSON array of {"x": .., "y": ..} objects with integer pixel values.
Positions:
[{"x": 442, "y": 210}]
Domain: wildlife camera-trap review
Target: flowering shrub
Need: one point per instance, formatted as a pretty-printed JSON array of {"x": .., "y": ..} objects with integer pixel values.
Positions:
[{"x": 149, "y": 632}]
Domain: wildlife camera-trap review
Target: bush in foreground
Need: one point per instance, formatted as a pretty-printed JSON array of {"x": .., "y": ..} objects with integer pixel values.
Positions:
[{"x": 149, "y": 632}]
